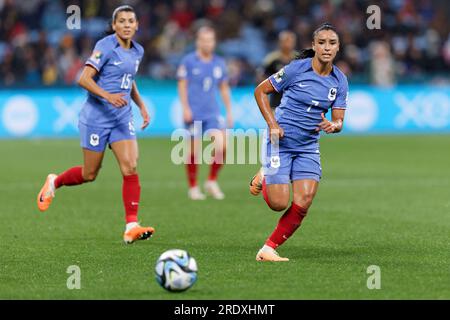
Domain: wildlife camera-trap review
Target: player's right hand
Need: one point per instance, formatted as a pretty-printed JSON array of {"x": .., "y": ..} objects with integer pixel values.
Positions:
[
  {"x": 276, "y": 133},
  {"x": 117, "y": 100},
  {"x": 187, "y": 115}
]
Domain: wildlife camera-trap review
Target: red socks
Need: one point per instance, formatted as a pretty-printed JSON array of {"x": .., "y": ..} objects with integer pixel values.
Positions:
[
  {"x": 191, "y": 170},
  {"x": 131, "y": 189},
  {"x": 287, "y": 225},
  {"x": 216, "y": 166},
  {"x": 131, "y": 193},
  {"x": 71, "y": 177}
]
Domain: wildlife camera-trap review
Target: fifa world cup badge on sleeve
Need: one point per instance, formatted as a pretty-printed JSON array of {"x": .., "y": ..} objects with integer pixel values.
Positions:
[
  {"x": 279, "y": 75},
  {"x": 182, "y": 71},
  {"x": 96, "y": 56}
]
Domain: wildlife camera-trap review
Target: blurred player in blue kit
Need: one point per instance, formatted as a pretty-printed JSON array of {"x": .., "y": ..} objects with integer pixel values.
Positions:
[
  {"x": 311, "y": 86},
  {"x": 200, "y": 75},
  {"x": 106, "y": 119}
]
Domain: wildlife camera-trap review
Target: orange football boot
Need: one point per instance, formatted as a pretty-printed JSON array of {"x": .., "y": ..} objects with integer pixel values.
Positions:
[
  {"x": 269, "y": 256},
  {"x": 47, "y": 193},
  {"x": 138, "y": 233}
]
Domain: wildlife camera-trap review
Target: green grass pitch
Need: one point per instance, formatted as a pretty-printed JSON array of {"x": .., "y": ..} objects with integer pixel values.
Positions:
[{"x": 383, "y": 200}]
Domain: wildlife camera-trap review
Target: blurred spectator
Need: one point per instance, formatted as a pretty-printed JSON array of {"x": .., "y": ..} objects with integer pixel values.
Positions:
[
  {"x": 382, "y": 65},
  {"x": 36, "y": 47},
  {"x": 280, "y": 57},
  {"x": 277, "y": 59},
  {"x": 182, "y": 15}
]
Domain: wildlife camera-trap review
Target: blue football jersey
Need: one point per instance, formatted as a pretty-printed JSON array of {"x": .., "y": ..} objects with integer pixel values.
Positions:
[
  {"x": 116, "y": 68},
  {"x": 203, "y": 79},
  {"x": 306, "y": 95}
]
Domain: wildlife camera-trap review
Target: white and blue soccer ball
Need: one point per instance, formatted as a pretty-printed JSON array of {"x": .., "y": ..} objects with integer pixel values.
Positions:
[{"x": 176, "y": 270}]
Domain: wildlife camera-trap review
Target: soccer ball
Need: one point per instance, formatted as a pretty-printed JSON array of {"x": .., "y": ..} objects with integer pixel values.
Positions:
[{"x": 176, "y": 270}]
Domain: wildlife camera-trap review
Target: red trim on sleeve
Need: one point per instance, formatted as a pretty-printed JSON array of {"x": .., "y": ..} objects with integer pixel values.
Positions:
[
  {"x": 270, "y": 80},
  {"x": 91, "y": 64},
  {"x": 343, "y": 108}
]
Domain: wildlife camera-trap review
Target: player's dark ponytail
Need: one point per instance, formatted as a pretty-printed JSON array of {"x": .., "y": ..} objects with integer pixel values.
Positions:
[
  {"x": 125, "y": 8},
  {"x": 309, "y": 53},
  {"x": 109, "y": 29}
]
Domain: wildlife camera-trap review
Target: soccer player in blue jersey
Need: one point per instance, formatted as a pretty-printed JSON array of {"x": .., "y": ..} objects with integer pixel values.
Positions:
[
  {"x": 106, "y": 119},
  {"x": 200, "y": 75},
  {"x": 311, "y": 86}
]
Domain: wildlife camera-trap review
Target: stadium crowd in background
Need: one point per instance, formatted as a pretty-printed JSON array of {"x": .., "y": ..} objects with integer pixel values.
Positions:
[{"x": 413, "y": 43}]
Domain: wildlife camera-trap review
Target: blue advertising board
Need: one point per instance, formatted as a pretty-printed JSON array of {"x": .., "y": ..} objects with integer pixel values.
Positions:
[{"x": 35, "y": 113}]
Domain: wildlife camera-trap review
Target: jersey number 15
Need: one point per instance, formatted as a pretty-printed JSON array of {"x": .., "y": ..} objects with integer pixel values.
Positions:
[{"x": 126, "y": 81}]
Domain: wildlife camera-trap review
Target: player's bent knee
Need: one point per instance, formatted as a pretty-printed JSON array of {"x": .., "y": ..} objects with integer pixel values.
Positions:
[
  {"x": 278, "y": 205},
  {"x": 90, "y": 176},
  {"x": 129, "y": 169},
  {"x": 305, "y": 200}
]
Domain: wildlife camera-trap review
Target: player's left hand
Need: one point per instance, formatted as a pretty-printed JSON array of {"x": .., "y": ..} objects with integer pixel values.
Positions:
[
  {"x": 145, "y": 117},
  {"x": 325, "y": 125},
  {"x": 230, "y": 122}
]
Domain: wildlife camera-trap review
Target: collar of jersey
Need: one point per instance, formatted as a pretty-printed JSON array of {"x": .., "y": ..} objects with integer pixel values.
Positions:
[
  {"x": 117, "y": 44},
  {"x": 310, "y": 68}
]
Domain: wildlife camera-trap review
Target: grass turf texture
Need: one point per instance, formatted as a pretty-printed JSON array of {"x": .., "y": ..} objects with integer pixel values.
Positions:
[{"x": 382, "y": 201}]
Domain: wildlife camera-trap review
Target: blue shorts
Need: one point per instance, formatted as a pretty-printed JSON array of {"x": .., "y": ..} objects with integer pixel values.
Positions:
[
  {"x": 96, "y": 139},
  {"x": 285, "y": 164},
  {"x": 198, "y": 127}
]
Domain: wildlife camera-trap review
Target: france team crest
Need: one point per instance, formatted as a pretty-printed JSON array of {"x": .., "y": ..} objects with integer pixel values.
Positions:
[{"x": 332, "y": 94}]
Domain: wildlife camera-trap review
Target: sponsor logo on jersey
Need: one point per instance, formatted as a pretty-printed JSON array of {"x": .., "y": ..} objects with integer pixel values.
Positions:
[
  {"x": 301, "y": 85},
  {"x": 95, "y": 140},
  {"x": 332, "y": 94}
]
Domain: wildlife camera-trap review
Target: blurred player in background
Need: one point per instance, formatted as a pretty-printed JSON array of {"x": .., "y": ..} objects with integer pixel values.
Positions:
[
  {"x": 277, "y": 59},
  {"x": 311, "y": 85},
  {"x": 200, "y": 74},
  {"x": 106, "y": 119}
]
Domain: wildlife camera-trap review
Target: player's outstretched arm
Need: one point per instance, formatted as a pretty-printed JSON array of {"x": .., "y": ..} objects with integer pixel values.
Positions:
[
  {"x": 136, "y": 97},
  {"x": 87, "y": 82},
  {"x": 226, "y": 97},
  {"x": 183, "y": 94},
  {"x": 261, "y": 92}
]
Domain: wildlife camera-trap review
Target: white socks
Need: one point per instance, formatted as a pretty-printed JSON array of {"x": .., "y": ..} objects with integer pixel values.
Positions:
[
  {"x": 130, "y": 226},
  {"x": 266, "y": 248}
]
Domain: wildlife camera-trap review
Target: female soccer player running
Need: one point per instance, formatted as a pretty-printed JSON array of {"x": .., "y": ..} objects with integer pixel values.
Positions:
[
  {"x": 106, "y": 119},
  {"x": 200, "y": 74},
  {"x": 311, "y": 85}
]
